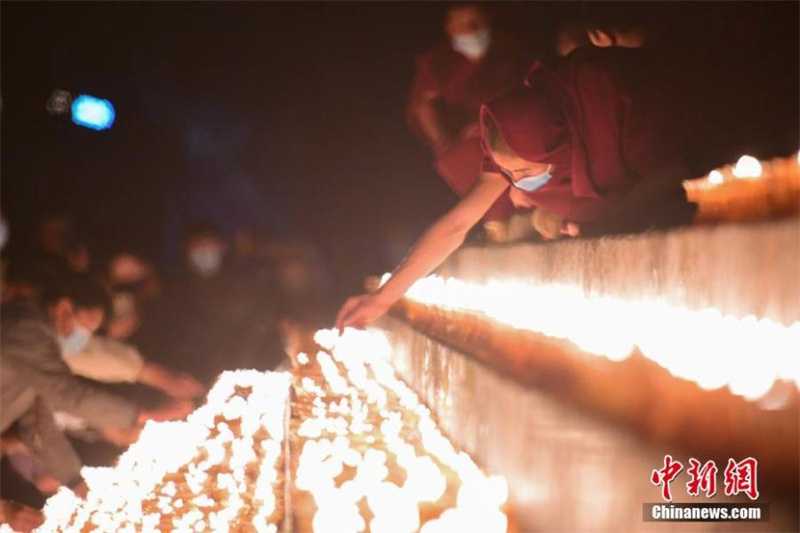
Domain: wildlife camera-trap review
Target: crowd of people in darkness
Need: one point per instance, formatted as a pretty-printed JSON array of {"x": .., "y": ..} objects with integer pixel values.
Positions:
[
  {"x": 92, "y": 350},
  {"x": 593, "y": 136}
]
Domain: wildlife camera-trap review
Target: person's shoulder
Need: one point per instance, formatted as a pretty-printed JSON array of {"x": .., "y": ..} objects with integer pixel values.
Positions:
[
  {"x": 589, "y": 57},
  {"x": 437, "y": 56},
  {"x": 590, "y": 64},
  {"x": 23, "y": 312},
  {"x": 27, "y": 335},
  {"x": 583, "y": 56}
]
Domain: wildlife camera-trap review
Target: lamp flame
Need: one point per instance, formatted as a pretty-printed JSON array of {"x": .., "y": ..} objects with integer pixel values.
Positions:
[{"x": 748, "y": 354}]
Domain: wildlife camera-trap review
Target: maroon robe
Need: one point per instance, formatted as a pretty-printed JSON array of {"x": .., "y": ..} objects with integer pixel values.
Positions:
[
  {"x": 463, "y": 86},
  {"x": 608, "y": 109}
]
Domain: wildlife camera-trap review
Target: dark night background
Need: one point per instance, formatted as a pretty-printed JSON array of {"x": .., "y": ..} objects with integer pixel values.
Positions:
[{"x": 292, "y": 115}]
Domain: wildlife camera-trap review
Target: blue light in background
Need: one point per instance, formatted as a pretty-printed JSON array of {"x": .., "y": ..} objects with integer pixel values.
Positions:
[{"x": 91, "y": 112}]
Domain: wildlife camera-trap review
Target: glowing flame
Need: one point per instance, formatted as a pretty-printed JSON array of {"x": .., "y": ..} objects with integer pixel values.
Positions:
[
  {"x": 372, "y": 392},
  {"x": 165, "y": 479},
  {"x": 747, "y": 167},
  {"x": 714, "y": 350},
  {"x": 219, "y": 470},
  {"x": 715, "y": 177}
]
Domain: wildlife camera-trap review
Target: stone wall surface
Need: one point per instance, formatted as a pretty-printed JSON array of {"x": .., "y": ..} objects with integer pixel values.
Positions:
[
  {"x": 740, "y": 269},
  {"x": 567, "y": 469}
]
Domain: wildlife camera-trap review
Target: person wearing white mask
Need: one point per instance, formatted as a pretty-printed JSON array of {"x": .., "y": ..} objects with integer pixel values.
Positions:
[
  {"x": 474, "y": 65},
  {"x": 218, "y": 315},
  {"x": 589, "y": 141},
  {"x": 34, "y": 379},
  {"x": 205, "y": 250}
]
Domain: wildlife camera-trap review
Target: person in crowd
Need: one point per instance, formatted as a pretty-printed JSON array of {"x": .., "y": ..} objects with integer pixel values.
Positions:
[
  {"x": 134, "y": 286},
  {"x": 452, "y": 79},
  {"x": 26, "y": 277},
  {"x": 622, "y": 24},
  {"x": 21, "y": 501},
  {"x": 56, "y": 247},
  {"x": 53, "y": 254},
  {"x": 20, "y": 517},
  {"x": 109, "y": 361},
  {"x": 731, "y": 102},
  {"x": 217, "y": 315},
  {"x": 34, "y": 380},
  {"x": 587, "y": 143},
  {"x": 569, "y": 38},
  {"x": 292, "y": 267}
]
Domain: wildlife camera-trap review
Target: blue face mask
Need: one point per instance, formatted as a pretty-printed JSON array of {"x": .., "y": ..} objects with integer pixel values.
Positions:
[
  {"x": 533, "y": 183},
  {"x": 75, "y": 341}
]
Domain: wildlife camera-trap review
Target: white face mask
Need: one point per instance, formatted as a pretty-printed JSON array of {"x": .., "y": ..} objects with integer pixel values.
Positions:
[
  {"x": 75, "y": 341},
  {"x": 472, "y": 45},
  {"x": 205, "y": 261}
]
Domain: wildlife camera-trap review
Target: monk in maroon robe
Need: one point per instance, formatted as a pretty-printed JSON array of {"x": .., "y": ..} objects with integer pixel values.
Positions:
[
  {"x": 592, "y": 141},
  {"x": 452, "y": 80},
  {"x": 603, "y": 119}
]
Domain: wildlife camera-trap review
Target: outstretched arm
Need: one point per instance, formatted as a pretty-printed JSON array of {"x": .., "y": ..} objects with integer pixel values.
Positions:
[
  {"x": 436, "y": 244},
  {"x": 177, "y": 386}
]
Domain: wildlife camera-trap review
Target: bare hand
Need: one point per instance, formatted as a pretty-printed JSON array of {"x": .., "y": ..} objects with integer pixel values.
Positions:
[
  {"x": 10, "y": 444},
  {"x": 573, "y": 229},
  {"x": 123, "y": 327},
  {"x": 20, "y": 517},
  {"x": 121, "y": 437},
  {"x": 80, "y": 489},
  {"x": 185, "y": 387},
  {"x": 359, "y": 311},
  {"x": 173, "y": 410},
  {"x": 46, "y": 484},
  {"x": 549, "y": 225}
]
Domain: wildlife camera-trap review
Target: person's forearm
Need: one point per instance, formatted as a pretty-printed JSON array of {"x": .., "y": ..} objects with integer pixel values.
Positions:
[
  {"x": 156, "y": 377},
  {"x": 435, "y": 245},
  {"x": 444, "y": 237},
  {"x": 428, "y": 253},
  {"x": 98, "y": 407}
]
